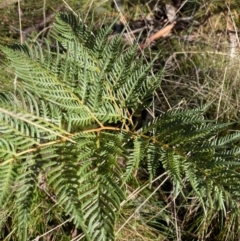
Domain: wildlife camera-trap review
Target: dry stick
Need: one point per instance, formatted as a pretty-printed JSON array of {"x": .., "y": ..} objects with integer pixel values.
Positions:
[
  {"x": 142, "y": 204},
  {"x": 58, "y": 226},
  {"x": 164, "y": 31},
  {"x": 44, "y": 14},
  {"x": 126, "y": 35},
  {"x": 221, "y": 93},
  {"x": 21, "y": 40},
  {"x": 90, "y": 6},
  {"x": 67, "y": 6},
  {"x": 123, "y": 20},
  {"x": 20, "y": 21}
]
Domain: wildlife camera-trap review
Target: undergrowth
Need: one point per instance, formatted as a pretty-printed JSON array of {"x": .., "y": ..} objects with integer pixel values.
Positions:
[{"x": 196, "y": 72}]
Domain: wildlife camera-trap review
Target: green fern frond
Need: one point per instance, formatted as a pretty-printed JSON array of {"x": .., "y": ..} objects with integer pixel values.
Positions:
[
  {"x": 152, "y": 158},
  {"x": 70, "y": 121},
  {"x": 189, "y": 149},
  {"x": 172, "y": 162},
  {"x": 8, "y": 176},
  {"x": 25, "y": 185},
  {"x": 136, "y": 155}
]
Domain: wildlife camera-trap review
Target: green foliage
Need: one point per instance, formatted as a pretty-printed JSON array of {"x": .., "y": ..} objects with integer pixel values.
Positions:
[{"x": 70, "y": 119}]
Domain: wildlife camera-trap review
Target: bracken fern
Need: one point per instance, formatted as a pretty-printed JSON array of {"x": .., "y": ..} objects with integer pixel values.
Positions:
[{"x": 70, "y": 120}]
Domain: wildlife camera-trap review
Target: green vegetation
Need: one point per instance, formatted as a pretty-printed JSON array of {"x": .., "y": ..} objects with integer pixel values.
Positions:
[{"x": 102, "y": 141}]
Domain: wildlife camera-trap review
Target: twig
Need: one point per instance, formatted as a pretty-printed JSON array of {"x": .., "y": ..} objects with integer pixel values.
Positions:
[
  {"x": 123, "y": 20},
  {"x": 164, "y": 31},
  {"x": 142, "y": 204},
  {"x": 221, "y": 93},
  {"x": 20, "y": 21},
  {"x": 128, "y": 33},
  {"x": 58, "y": 226},
  {"x": 67, "y": 6},
  {"x": 44, "y": 13}
]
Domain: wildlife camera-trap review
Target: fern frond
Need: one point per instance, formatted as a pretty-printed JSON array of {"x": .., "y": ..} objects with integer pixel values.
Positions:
[
  {"x": 70, "y": 121},
  {"x": 152, "y": 158},
  {"x": 8, "y": 176},
  {"x": 25, "y": 185},
  {"x": 136, "y": 155}
]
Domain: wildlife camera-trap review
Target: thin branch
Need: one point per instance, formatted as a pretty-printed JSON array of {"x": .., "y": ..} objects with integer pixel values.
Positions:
[
  {"x": 20, "y": 22},
  {"x": 161, "y": 33},
  {"x": 142, "y": 204}
]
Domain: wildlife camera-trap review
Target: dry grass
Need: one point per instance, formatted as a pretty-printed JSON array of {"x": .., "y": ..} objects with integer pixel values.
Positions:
[{"x": 204, "y": 71}]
